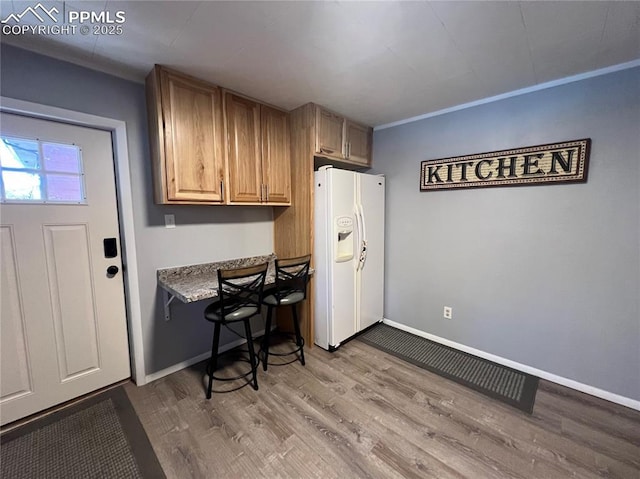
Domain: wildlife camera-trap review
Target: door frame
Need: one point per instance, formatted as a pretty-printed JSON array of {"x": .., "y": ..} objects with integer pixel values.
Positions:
[{"x": 118, "y": 130}]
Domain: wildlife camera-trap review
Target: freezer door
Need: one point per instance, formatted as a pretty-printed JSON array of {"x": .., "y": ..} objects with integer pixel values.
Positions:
[
  {"x": 342, "y": 197},
  {"x": 321, "y": 254},
  {"x": 370, "y": 277}
]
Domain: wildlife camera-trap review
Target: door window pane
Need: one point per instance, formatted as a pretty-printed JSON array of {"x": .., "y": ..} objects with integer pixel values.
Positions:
[
  {"x": 64, "y": 188},
  {"x": 40, "y": 172},
  {"x": 61, "y": 158},
  {"x": 21, "y": 186},
  {"x": 19, "y": 153}
]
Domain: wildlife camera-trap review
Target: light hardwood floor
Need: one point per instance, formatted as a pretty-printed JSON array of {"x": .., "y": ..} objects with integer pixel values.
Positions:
[{"x": 359, "y": 412}]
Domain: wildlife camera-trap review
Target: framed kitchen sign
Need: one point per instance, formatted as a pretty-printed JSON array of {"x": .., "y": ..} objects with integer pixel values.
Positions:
[{"x": 533, "y": 165}]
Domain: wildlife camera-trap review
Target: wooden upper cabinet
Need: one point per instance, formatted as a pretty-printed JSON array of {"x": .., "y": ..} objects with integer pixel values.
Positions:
[
  {"x": 243, "y": 155},
  {"x": 358, "y": 143},
  {"x": 258, "y": 153},
  {"x": 276, "y": 155},
  {"x": 186, "y": 129},
  {"x": 341, "y": 139},
  {"x": 329, "y": 133}
]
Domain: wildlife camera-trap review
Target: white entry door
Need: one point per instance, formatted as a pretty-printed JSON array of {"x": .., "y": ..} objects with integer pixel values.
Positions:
[{"x": 62, "y": 312}]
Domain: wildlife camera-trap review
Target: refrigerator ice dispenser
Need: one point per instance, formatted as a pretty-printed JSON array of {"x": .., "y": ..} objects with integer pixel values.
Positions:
[{"x": 343, "y": 238}]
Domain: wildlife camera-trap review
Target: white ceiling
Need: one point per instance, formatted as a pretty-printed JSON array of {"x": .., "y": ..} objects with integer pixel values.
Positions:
[{"x": 377, "y": 62}]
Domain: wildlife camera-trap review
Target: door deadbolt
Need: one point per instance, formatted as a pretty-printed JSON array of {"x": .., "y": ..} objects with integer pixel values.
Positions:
[{"x": 112, "y": 271}]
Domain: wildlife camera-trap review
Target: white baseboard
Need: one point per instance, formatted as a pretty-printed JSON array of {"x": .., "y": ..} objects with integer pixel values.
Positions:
[
  {"x": 570, "y": 383},
  {"x": 200, "y": 357}
]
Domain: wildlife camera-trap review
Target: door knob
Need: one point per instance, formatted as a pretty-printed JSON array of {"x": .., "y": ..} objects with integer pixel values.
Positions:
[{"x": 112, "y": 271}]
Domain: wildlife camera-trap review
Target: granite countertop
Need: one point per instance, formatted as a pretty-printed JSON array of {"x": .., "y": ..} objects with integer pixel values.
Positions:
[{"x": 200, "y": 281}]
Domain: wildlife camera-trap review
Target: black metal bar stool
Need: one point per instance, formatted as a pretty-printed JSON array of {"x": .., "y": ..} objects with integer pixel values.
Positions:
[
  {"x": 292, "y": 276},
  {"x": 240, "y": 293}
]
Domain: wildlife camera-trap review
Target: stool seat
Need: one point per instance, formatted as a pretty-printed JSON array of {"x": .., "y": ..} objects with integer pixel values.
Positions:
[
  {"x": 213, "y": 313},
  {"x": 290, "y": 298}
]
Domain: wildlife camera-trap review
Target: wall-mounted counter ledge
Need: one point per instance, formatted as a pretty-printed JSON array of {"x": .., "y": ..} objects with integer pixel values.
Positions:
[{"x": 200, "y": 281}]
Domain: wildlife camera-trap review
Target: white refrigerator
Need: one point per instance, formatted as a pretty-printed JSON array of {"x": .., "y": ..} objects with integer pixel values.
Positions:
[{"x": 348, "y": 254}]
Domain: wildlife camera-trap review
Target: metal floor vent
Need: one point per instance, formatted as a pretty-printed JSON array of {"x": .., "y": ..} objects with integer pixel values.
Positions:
[{"x": 513, "y": 387}]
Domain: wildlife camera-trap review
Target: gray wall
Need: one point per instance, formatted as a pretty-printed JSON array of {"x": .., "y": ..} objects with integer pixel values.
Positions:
[
  {"x": 548, "y": 276},
  {"x": 202, "y": 234}
]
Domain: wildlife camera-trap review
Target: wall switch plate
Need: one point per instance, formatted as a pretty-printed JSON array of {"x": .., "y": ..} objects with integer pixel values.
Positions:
[
  {"x": 169, "y": 221},
  {"x": 448, "y": 312}
]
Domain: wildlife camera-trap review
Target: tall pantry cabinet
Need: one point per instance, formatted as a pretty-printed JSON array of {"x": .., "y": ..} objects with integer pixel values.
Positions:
[{"x": 315, "y": 132}]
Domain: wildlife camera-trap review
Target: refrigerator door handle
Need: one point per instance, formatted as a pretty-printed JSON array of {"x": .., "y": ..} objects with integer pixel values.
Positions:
[
  {"x": 362, "y": 257},
  {"x": 360, "y": 236}
]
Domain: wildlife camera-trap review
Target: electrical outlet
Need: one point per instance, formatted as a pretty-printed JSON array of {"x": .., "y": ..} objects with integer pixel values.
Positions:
[
  {"x": 169, "y": 221},
  {"x": 448, "y": 312}
]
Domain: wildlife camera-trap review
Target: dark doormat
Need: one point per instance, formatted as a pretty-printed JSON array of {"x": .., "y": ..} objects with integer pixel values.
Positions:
[
  {"x": 508, "y": 385},
  {"x": 100, "y": 437}
]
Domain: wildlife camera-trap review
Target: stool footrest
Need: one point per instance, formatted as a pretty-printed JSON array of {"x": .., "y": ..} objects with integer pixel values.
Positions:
[
  {"x": 234, "y": 378},
  {"x": 288, "y": 353},
  {"x": 297, "y": 350}
]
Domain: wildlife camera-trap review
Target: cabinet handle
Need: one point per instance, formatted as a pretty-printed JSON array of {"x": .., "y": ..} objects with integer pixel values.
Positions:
[
  {"x": 349, "y": 149},
  {"x": 266, "y": 189},
  {"x": 221, "y": 191},
  {"x": 326, "y": 150}
]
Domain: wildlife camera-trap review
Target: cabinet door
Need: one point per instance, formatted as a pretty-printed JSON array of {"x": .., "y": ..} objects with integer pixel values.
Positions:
[
  {"x": 243, "y": 160},
  {"x": 329, "y": 134},
  {"x": 276, "y": 163},
  {"x": 358, "y": 143},
  {"x": 193, "y": 132}
]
